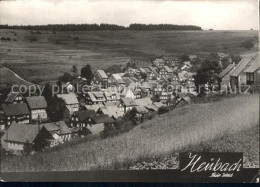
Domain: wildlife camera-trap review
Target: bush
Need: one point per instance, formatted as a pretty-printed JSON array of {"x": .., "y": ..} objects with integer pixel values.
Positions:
[
  {"x": 163, "y": 109},
  {"x": 248, "y": 44}
]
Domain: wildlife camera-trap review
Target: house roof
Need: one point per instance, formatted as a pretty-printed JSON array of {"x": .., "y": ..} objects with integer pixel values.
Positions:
[
  {"x": 127, "y": 80},
  {"x": 158, "y": 104},
  {"x": 168, "y": 69},
  {"x": 112, "y": 111},
  {"x": 22, "y": 132},
  {"x": 11, "y": 96},
  {"x": 97, "y": 128},
  {"x": 127, "y": 101},
  {"x": 153, "y": 69},
  {"x": 141, "y": 110},
  {"x": 102, "y": 73},
  {"x": 103, "y": 119},
  {"x": 15, "y": 109},
  {"x": 253, "y": 67},
  {"x": 50, "y": 126},
  {"x": 36, "y": 102},
  {"x": 142, "y": 70},
  {"x": 241, "y": 66},
  {"x": 94, "y": 95},
  {"x": 143, "y": 89},
  {"x": 107, "y": 104},
  {"x": 63, "y": 128},
  {"x": 187, "y": 63},
  {"x": 94, "y": 107},
  {"x": 84, "y": 114},
  {"x": 108, "y": 95},
  {"x": 59, "y": 127},
  {"x": 69, "y": 98},
  {"x": 151, "y": 107},
  {"x": 143, "y": 102},
  {"x": 227, "y": 70}
]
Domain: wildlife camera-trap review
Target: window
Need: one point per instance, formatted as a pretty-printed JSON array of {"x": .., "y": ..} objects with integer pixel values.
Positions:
[{"x": 250, "y": 78}]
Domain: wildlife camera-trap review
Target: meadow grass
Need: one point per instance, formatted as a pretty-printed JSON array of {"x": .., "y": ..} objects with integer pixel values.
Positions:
[
  {"x": 167, "y": 133},
  {"x": 50, "y": 55}
]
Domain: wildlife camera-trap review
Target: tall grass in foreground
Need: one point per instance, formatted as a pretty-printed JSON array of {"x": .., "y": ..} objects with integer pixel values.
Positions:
[{"x": 164, "y": 134}]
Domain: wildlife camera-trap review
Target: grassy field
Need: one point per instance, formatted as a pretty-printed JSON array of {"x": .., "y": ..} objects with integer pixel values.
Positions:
[
  {"x": 166, "y": 134},
  {"x": 46, "y": 56}
]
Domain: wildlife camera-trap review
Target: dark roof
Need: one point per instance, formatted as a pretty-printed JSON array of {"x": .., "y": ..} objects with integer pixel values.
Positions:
[
  {"x": 128, "y": 101},
  {"x": 103, "y": 119},
  {"x": 36, "y": 102},
  {"x": 241, "y": 66},
  {"x": 15, "y": 109},
  {"x": 11, "y": 96},
  {"x": 253, "y": 67},
  {"x": 227, "y": 70},
  {"x": 102, "y": 74},
  {"x": 63, "y": 128},
  {"x": 22, "y": 132},
  {"x": 84, "y": 114}
]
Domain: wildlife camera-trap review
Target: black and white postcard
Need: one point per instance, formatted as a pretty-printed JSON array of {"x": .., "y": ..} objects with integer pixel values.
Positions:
[{"x": 129, "y": 91}]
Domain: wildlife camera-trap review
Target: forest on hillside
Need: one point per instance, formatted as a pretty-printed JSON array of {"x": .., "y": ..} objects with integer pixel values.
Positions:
[{"x": 97, "y": 27}]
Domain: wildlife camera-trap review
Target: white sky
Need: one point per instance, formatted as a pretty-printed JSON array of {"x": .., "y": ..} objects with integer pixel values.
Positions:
[{"x": 216, "y": 14}]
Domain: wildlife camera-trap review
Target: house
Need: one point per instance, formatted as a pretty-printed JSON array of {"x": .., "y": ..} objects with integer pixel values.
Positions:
[
  {"x": 128, "y": 81},
  {"x": 143, "y": 102},
  {"x": 101, "y": 119},
  {"x": 15, "y": 113},
  {"x": 101, "y": 78},
  {"x": 112, "y": 111},
  {"x": 165, "y": 71},
  {"x": 17, "y": 135},
  {"x": 186, "y": 65},
  {"x": 71, "y": 102},
  {"x": 37, "y": 106},
  {"x": 182, "y": 101},
  {"x": 126, "y": 104},
  {"x": 225, "y": 75},
  {"x": 192, "y": 57},
  {"x": 153, "y": 73},
  {"x": 94, "y": 107},
  {"x": 68, "y": 87},
  {"x": 158, "y": 62},
  {"x": 143, "y": 92},
  {"x": 253, "y": 75},
  {"x": 127, "y": 92},
  {"x": 79, "y": 118},
  {"x": 93, "y": 98},
  {"x": 238, "y": 77},
  {"x": 141, "y": 113},
  {"x": 14, "y": 98},
  {"x": 60, "y": 132},
  {"x": 117, "y": 80},
  {"x": 111, "y": 96}
]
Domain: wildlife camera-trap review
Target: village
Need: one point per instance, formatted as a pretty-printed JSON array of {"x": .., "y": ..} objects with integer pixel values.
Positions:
[{"x": 33, "y": 123}]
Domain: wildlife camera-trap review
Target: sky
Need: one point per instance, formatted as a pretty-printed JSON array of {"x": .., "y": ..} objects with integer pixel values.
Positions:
[{"x": 216, "y": 14}]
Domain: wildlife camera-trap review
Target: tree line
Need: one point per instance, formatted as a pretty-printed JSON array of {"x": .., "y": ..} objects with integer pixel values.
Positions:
[{"x": 97, "y": 27}]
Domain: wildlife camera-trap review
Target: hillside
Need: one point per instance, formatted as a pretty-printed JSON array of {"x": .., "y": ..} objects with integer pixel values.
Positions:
[
  {"x": 45, "y": 56},
  {"x": 167, "y": 134}
]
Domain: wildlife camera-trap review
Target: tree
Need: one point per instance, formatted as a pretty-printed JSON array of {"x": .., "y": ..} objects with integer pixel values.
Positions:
[
  {"x": 163, "y": 109},
  {"x": 236, "y": 59},
  {"x": 207, "y": 74},
  {"x": 27, "y": 148},
  {"x": 143, "y": 75},
  {"x": 87, "y": 73},
  {"x": 56, "y": 109},
  {"x": 248, "y": 44},
  {"x": 75, "y": 70},
  {"x": 185, "y": 57},
  {"x": 130, "y": 116},
  {"x": 67, "y": 77}
]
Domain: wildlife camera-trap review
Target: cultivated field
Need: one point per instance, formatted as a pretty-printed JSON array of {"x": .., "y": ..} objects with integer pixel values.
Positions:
[
  {"x": 43, "y": 57},
  {"x": 217, "y": 126}
]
